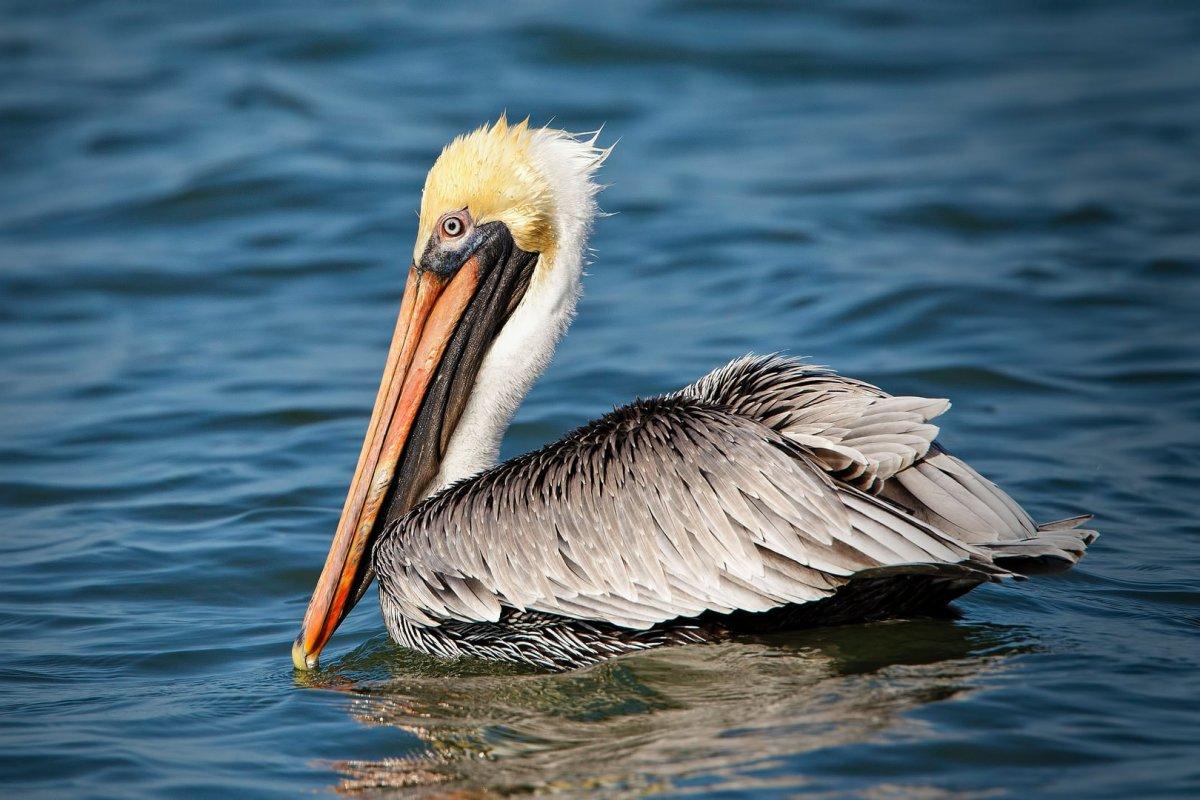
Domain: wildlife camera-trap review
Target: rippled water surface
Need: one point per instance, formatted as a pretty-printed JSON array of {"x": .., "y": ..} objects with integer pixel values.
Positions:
[{"x": 205, "y": 215}]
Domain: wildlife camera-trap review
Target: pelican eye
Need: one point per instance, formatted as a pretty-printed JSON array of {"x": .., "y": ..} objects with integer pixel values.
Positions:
[{"x": 452, "y": 227}]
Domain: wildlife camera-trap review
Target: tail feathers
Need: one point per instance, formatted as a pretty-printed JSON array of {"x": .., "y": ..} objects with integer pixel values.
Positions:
[
  {"x": 1065, "y": 524},
  {"x": 1056, "y": 546}
]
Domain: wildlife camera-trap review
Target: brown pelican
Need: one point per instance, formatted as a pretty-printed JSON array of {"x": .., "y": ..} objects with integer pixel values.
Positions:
[{"x": 768, "y": 494}]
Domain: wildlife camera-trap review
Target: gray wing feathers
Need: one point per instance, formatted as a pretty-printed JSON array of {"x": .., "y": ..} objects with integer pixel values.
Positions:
[
  {"x": 675, "y": 510},
  {"x": 767, "y": 482},
  {"x": 880, "y": 436},
  {"x": 948, "y": 494},
  {"x": 879, "y": 443},
  {"x": 854, "y": 430}
]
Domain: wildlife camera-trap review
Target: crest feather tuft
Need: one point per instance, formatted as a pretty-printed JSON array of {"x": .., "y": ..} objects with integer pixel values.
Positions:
[{"x": 500, "y": 172}]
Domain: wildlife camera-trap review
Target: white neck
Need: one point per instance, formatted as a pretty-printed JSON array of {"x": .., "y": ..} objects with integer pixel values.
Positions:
[{"x": 525, "y": 345}]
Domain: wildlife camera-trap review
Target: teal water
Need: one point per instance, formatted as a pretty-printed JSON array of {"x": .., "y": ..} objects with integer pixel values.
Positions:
[{"x": 205, "y": 215}]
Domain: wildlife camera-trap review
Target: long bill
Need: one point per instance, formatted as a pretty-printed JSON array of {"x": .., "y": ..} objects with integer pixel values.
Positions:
[{"x": 447, "y": 322}]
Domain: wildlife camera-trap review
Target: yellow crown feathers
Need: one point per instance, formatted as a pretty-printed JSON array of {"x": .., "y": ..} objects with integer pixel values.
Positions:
[{"x": 491, "y": 172}]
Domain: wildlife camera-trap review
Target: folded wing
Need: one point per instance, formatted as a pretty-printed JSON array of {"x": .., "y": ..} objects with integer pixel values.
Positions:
[{"x": 672, "y": 507}]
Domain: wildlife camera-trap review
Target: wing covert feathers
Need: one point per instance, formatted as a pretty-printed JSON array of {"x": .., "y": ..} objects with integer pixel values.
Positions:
[
  {"x": 766, "y": 483},
  {"x": 857, "y": 432}
]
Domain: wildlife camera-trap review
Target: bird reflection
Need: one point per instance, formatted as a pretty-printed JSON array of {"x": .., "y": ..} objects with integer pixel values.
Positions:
[{"x": 722, "y": 715}]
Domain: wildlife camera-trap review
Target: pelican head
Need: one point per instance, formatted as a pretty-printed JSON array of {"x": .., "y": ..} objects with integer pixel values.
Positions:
[{"x": 492, "y": 286}]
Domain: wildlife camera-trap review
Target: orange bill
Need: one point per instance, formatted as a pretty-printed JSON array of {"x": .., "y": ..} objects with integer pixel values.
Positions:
[{"x": 431, "y": 310}]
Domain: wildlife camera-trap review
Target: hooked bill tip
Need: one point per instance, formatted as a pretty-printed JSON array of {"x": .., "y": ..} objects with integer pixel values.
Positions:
[{"x": 301, "y": 660}]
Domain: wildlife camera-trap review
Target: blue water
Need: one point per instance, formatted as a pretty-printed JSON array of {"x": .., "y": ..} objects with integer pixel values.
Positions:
[{"x": 205, "y": 215}]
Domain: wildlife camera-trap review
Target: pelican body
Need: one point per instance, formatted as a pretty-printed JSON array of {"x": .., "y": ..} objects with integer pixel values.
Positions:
[{"x": 769, "y": 494}]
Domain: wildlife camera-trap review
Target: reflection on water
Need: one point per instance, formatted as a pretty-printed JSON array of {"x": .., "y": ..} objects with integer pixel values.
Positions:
[{"x": 656, "y": 721}]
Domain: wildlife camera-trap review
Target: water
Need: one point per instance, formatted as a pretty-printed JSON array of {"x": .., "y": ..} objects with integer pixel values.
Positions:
[{"x": 205, "y": 217}]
